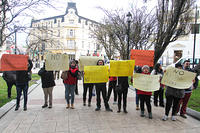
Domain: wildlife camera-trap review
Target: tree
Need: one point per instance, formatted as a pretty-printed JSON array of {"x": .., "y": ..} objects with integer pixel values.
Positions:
[
  {"x": 115, "y": 30},
  {"x": 173, "y": 17},
  {"x": 12, "y": 10}
]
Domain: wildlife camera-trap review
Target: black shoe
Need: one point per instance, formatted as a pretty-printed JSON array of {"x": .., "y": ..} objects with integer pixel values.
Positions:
[
  {"x": 25, "y": 108},
  {"x": 108, "y": 109},
  {"x": 125, "y": 111},
  {"x": 97, "y": 109},
  {"x": 50, "y": 106},
  {"x": 84, "y": 104},
  {"x": 162, "y": 105},
  {"x": 155, "y": 104},
  {"x": 89, "y": 104},
  {"x": 118, "y": 111},
  {"x": 17, "y": 107},
  {"x": 183, "y": 115},
  {"x": 44, "y": 106}
]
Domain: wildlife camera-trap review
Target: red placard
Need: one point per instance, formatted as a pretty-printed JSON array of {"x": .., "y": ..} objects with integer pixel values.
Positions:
[
  {"x": 11, "y": 62},
  {"x": 142, "y": 57}
]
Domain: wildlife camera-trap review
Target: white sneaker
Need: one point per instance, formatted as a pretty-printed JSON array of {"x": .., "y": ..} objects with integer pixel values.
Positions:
[
  {"x": 165, "y": 118},
  {"x": 173, "y": 118}
]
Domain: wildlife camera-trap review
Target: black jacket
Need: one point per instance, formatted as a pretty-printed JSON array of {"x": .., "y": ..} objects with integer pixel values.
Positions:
[
  {"x": 22, "y": 76},
  {"x": 47, "y": 78},
  {"x": 9, "y": 76}
]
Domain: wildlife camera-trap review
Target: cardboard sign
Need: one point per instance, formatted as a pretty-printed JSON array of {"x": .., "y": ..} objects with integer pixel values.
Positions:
[
  {"x": 88, "y": 61},
  {"x": 57, "y": 62},
  {"x": 146, "y": 82},
  {"x": 12, "y": 62},
  {"x": 143, "y": 57},
  {"x": 121, "y": 68},
  {"x": 178, "y": 78},
  {"x": 96, "y": 74}
]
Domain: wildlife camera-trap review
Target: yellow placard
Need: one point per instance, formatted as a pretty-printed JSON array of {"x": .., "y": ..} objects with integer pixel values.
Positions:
[
  {"x": 146, "y": 82},
  {"x": 178, "y": 78},
  {"x": 121, "y": 68},
  {"x": 57, "y": 62},
  {"x": 96, "y": 74}
]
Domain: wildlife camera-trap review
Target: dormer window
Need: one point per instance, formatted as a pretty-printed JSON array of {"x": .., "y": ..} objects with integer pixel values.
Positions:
[{"x": 71, "y": 21}]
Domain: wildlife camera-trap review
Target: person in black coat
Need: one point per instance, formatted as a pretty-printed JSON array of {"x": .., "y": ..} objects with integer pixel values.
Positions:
[
  {"x": 123, "y": 83},
  {"x": 10, "y": 78},
  {"x": 48, "y": 83},
  {"x": 22, "y": 79}
]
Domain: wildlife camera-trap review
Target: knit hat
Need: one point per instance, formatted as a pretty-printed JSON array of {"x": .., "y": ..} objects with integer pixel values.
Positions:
[{"x": 145, "y": 66}]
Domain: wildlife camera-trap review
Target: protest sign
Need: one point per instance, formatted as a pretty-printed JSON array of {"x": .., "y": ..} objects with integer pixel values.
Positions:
[
  {"x": 57, "y": 62},
  {"x": 142, "y": 57},
  {"x": 12, "y": 62},
  {"x": 146, "y": 82},
  {"x": 88, "y": 61},
  {"x": 121, "y": 68},
  {"x": 96, "y": 74},
  {"x": 178, "y": 78}
]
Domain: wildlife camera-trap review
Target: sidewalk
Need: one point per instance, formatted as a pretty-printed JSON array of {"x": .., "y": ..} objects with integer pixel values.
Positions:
[{"x": 84, "y": 119}]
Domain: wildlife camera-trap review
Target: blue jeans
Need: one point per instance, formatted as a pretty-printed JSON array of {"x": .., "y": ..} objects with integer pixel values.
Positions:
[
  {"x": 22, "y": 87},
  {"x": 69, "y": 89},
  {"x": 136, "y": 97}
]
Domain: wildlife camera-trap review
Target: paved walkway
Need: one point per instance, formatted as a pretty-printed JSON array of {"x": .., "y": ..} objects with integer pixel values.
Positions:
[{"x": 84, "y": 119}]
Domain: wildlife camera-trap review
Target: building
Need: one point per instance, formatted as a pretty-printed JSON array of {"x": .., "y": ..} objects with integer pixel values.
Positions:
[
  {"x": 183, "y": 46},
  {"x": 68, "y": 33}
]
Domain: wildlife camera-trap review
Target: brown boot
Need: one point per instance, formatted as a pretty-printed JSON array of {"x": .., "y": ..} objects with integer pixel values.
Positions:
[
  {"x": 72, "y": 106},
  {"x": 68, "y": 106}
]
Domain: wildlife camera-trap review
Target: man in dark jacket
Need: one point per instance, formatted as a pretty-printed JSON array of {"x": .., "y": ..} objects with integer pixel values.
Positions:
[
  {"x": 10, "y": 78},
  {"x": 48, "y": 83},
  {"x": 22, "y": 78}
]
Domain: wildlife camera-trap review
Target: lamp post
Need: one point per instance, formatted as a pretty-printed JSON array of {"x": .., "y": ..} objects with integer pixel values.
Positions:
[
  {"x": 129, "y": 16},
  {"x": 195, "y": 32},
  {"x": 15, "y": 29}
]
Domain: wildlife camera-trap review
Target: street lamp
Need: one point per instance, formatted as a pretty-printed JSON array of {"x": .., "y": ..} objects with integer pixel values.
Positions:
[
  {"x": 195, "y": 32},
  {"x": 15, "y": 30},
  {"x": 129, "y": 16}
]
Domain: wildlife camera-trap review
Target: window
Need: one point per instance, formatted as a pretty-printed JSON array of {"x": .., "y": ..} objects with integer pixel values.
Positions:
[
  {"x": 70, "y": 44},
  {"x": 58, "y": 23},
  {"x": 71, "y": 21},
  {"x": 71, "y": 33},
  {"x": 195, "y": 27}
]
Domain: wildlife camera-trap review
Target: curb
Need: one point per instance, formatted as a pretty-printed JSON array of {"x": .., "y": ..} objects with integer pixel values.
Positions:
[
  {"x": 8, "y": 106},
  {"x": 189, "y": 111}
]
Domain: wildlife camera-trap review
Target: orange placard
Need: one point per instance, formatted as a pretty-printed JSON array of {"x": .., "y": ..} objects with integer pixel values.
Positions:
[
  {"x": 142, "y": 57},
  {"x": 11, "y": 62}
]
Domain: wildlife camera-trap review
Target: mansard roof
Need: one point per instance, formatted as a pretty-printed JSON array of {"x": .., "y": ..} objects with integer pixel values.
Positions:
[{"x": 70, "y": 5}]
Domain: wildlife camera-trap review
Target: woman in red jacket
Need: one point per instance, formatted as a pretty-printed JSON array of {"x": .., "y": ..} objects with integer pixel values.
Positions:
[
  {"x": 70, "y": 84},
  {"x": 145, "y": 96}
]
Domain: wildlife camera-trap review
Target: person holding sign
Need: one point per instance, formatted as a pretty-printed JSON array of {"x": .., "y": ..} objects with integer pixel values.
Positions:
[
  {"x": 101, "y": 88},
  {"x": 173, "y": 96},
  {"x": 22, "y": 79},
  {"x": 145, "y": 96},
  {"x": 48, "y": 83},
  {"x": 70, "y": 83},
  {"x": 112, "y": 86},
  {"x": 188, "y": 92},
  {"x": 159, "y": 93}
]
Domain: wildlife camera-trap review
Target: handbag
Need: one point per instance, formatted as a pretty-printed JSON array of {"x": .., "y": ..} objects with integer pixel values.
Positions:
[
  {"x": 118, "y": 87},
  {"x": 64, "y": 75}
]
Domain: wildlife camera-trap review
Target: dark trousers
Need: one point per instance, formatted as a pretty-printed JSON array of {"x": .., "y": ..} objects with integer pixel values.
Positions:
[
  {"x": 112, "y": 86},
  {"x": 136, "y": 98},
  {"x": 76, "y": 89},
  {"x": 123, "y": 93},
  {"x": 171, "y": 100},
  {"x": 22, "y": 87},
  {"x": 145, "y": 99},
  {"x": 10, "y": 84},
  {"x": 159, "y": 94},
  {"x": 184, "y": 102},
  {"x": 85, "y": 88},
  {"x": 101, "y": 88}
]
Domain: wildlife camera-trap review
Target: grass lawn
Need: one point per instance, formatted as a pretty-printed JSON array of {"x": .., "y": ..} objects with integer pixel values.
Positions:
[
  {"x": 194, "y": 102},
  {"x": 3, "y": 89}
]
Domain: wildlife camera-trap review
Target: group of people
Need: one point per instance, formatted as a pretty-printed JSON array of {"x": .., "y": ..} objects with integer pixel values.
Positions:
[{"x": 174, "y": 97}]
